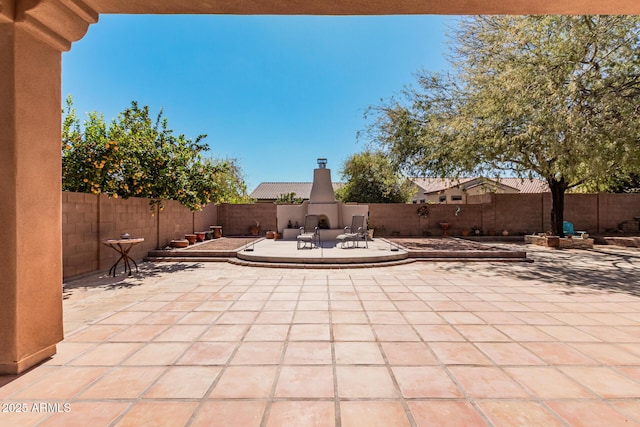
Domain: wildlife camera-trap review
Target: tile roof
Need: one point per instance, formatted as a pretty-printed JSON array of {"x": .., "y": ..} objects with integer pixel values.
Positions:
[
  {"x": 273, "y": 190},
  {"x": 434, "y": 185}
]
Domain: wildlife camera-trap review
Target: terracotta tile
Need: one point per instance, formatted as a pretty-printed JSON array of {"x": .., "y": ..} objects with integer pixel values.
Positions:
[
  {"x": 423, "y": 318},
  {"x": 508, "y": 353},
  {"x": 536, "y": 318},
  {"x": 147, "y": 306},
  {"x": 267, "y": 333},
  {"x": 274, "y": 317},
  {"x": 610, "y": 333},
  {"x": 245, "y": 382},
  {"x": 461, "y": 318},
  {"x": 481, "y": 333},
  {"x": 432, "y": 333},
  {"x": 603, "y": 381},
  {"x": 454, "y": 353},
  {"x": 287, "y": 306},
  {"x": 346, "y": 305},
  {"x": 568, "y": 334},
  {"x": 165, "y": 296},
  {"x": 629, "y": 407},
  {"x": 379, "y": 305},
  {"x": 162, "y": 318},
  {"x": 524, "y": 333},
  {"x": 62, "y": 384},
  {"x": 589, "y": 413},
  {"x": 558, "y": 354},
  {"x": 353, "y": 333},
  {"x": 412, "y": 306},
  {"x": 284, "y": 296},
  {"x": 498, "y": 318},
  {"x": 247, "y": 306},
  {"x": 201, "y": 296},
  {"x": 82, "y": 414},
  {"x": 199, "y": 318},
  {"x": 311, "y": 316},
  {"x": 224, "y": 333},
  {"x": 65, "y": 352},
  {"x": 158, "y": 414},
  {"x": 313, "y": 305},
  {"x": 358, "y": 353},
  {"x": 607, "y": 354},
  {"x": 425, "y": 382},
  {"x": 258, "y": 353},
  {"x": 214, "y": 306},
  {"x": 255, "y": 296},
  {"x": 573, "y": 318},
  {"x": 408, "y": 354},
  {"x": 373, "y": 414},
  {"x": 445, "y": 414},
  {"x": 343, "y": 296},
  {"x": 365, "y": 382},
  {"x": 302, "y": 414},
  {"x": 305, "y": 382},
  {"x": 10, "y": 384},
  {"x": 314, "y": 296},
  {"x": 230, "y": 414},
  {"x": 181, "y": 333},
  {"x": 182, "y": 306},
  {"x": 111, "y": 385},
  {"x": 309, "y": 333},
  {"x": 630, "y": 371},
  {"x": 487, "y": 382},
  {"x": 107, "y": 354},
  {"x": 308, "y": 353},
  {"x": 208, "y": 353},
  {"x": 125, "y": 318},
  {"x": 512, "y": 413},
  {"x": 395, "y": 333},
  {"x": 94, "y": 333},
  {"x": 29, "y": 418},
  {"x": 157, "y": 354},
  {"x": 139, "y": 333},
  {"x": 548, "y": 383},
  {"x": 386, "y": 317},
  {"x": 477, "y": 306},
  {"x": 184, "y": 382},
  {"x": 236, "y": 317}
]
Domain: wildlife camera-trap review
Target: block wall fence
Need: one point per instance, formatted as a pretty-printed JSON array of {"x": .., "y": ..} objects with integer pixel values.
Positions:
[{"x": 88, "y": 219}]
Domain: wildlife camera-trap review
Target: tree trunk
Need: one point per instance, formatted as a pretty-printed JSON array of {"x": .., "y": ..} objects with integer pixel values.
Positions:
[{"x": 558, "y": 188}]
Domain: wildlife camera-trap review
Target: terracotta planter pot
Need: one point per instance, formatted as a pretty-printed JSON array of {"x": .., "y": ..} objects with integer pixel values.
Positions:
[
  {"x": 254, "y": 231},
  {"x": 181, "y": 243},
  {"x": 200, "y": 236},
  {"x": 217, "y": 231},
  {"x": 191, "y": 238},
  {"x": 271, "y": 234}
]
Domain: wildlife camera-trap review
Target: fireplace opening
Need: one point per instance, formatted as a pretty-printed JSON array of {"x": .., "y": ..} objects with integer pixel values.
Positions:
[{"x": 323, "y": 222}]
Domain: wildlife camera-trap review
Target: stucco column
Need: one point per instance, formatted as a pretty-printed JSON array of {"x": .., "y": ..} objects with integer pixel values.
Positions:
[{"x": 30, "y": 195}]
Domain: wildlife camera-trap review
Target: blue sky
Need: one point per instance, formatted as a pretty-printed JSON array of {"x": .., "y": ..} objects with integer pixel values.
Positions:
[{"x": 274, "y": 92}]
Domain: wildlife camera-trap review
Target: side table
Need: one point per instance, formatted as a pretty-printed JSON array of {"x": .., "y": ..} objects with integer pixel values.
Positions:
[{"x": 123, "y": 246}]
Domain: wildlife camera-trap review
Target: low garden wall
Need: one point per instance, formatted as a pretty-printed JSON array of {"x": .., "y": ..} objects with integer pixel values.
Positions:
[{"x": 88, "y": 219}]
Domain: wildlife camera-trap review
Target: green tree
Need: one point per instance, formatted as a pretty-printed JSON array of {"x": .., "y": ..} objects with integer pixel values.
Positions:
[
  {"x": 548, "y": 96},
  {"x": 136, "y": 156},
  {"x": 288, "y": 198},
  {"x": 370, "y": 178}
]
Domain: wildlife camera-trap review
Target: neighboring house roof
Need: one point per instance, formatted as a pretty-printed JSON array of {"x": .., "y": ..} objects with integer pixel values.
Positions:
[
  {"x": 435, "y": 185},
  {"x": 273, "y": 190}
]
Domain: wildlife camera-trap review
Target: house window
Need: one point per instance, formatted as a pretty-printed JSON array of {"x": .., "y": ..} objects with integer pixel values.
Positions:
[
  {"x": 442, "y": 198},
  {"x": 421, "y": 200},
  {"x": 456, "y": 198}
]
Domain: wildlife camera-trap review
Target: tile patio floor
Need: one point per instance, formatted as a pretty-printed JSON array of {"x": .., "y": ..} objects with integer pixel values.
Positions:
[{"x": 553, "y": 343}]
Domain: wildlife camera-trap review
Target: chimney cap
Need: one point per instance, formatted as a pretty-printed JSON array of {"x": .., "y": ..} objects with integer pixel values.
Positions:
[{"x": 322, "y": 162}]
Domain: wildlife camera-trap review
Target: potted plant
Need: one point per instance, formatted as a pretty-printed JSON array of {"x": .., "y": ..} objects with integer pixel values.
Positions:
[{"x": 254, "y": 230}]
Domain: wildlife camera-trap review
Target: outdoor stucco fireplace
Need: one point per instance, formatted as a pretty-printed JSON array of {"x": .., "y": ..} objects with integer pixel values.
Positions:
[{"x": 333, "y": 215}]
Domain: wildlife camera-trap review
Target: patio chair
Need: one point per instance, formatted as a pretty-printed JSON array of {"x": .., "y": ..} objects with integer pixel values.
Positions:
[
  {"x": 309, "y": 233},
  {"x": 354, "y": 233},
  {"x": 567, "y": 229}
]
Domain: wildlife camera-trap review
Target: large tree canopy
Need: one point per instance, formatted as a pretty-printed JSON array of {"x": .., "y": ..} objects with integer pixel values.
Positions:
[
  {"x": 370, "y": 178},
  {"x": 135, "y": 156},
  {"x": 551, "y": 96}
]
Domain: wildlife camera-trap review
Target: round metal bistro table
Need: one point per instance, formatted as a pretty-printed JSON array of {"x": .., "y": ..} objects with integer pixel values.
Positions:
[{"x": 123, "y": 246}]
